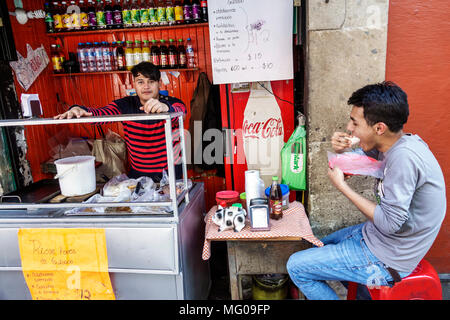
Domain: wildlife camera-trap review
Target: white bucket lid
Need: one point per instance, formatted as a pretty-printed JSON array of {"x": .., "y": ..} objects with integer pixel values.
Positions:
[{"x": 75, "y": 160}]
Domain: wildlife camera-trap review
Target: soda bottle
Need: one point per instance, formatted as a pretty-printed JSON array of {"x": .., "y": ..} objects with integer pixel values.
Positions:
[
  {"x": 92, "y": 16},
  {"x": 145, "y": 51},
  {"x": 82, "y": 57},
  {"x": 179, "y": 12},
  {"x": 120, "y": 56},
  {"x": 117, "y": 14},
  {"x": 92, "y": 66},
  {"x": 84, "y": 18},
  {"x": 170, "y": 12},
  {"x": 163, "y": 55},
  {"x": 182, "y": 62},
  {"x": 100, "y": 66},
  {"x": 49, "y": 18},
  {"x": 161, "y": 13},
  {"x": 56, "y": 62},
  {"x": 57, "y": 17},
  {"x": 275, "y": 200},
  {"x": 187, "y": 9},
  {"x": 172, "y": 55},
  {"x": 196, "y": 11},
  {"x": 137, "y": 51},
  {"x": 204, "y": 10},
  {"x": 126, "y": 14},
  {"x": 145, "y": 17},
  {"x": 66, "y": 17},
  {"x": 152, "y": 13},
  {"x": 109, "y": 15},
  {"x": 106, "y": 52},
  {"x": 190, "y": 55},
  {"x": 135, "y": 14},
  {"x": 129, "y": 56},
  {"x": 75, "y": 16},
  {"x": 154, "y": 54},
  {"x": 100, "y": 13},
  {"x": 61, "y": 55}
]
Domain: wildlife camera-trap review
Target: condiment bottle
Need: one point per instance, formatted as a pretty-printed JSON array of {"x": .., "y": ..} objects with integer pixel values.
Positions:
[
  {"x": 145, "y": 51},
  {"x": 172, "y": 55},
  {"x": 137, "y": 51},
  {"x": 181, "y": 54},
  {"x": 129, "y": 56},
  {"x": 163, "y": 55},
  {"x": 275, "y": 200},
  {"x": 154, "y": 54}
]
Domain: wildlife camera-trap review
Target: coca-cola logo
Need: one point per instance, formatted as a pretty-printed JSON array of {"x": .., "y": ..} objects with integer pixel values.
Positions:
[{"x": 270, "y": 128}]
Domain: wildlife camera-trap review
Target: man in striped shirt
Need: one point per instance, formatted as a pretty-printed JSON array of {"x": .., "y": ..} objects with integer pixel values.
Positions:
[{"x": 145, "y": 139}]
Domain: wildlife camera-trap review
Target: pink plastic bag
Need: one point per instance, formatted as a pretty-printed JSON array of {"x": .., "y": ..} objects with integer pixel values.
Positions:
[{"x": 354, "y": 163}]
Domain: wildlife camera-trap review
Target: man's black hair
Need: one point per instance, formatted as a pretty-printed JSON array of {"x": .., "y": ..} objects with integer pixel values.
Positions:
[
  {"x": 147, "y": 69},
  {"x": 382, "y": 102}
]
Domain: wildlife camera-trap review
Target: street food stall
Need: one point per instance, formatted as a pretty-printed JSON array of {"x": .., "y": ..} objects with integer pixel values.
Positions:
[{"x": 151, "y": 254}]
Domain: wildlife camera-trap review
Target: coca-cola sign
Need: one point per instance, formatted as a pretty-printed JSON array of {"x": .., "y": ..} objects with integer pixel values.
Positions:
[{"x": 270, "y": 128}]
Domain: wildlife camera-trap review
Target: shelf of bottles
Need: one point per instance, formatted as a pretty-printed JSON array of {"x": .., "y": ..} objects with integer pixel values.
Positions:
[{"x": 116, "y": 72}]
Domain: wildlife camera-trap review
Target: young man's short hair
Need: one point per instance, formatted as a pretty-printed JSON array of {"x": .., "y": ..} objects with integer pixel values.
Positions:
[
  {"x": 382, "y": 102},
  {"x": 147, "y": 69}
]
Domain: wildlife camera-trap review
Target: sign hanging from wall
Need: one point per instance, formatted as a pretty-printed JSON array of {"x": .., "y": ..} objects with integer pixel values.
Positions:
[
  {"x": 251, "y": 40},
  {"x": 28, "y": 69}
]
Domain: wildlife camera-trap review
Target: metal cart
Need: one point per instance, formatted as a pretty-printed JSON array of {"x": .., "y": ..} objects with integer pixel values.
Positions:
[{"x": 150, "y": 256}]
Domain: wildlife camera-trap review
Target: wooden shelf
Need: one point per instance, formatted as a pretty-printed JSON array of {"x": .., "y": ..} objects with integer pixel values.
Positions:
[
  {"x": 86, "y": 32},
  {"x": 113, "y": 72}
]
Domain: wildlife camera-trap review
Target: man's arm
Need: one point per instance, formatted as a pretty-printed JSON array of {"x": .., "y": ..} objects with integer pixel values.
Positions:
[{"x": 82, "y": 111}]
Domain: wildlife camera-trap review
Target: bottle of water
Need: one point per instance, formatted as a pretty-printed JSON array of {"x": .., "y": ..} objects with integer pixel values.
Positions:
[
  {"x": 107, "y": 55},
  {"x": 82, "y": 57},
  {"x": 190, "y": 55},
  {"x": 92, "y": 66},
  {"x": 100, "y": 66}
]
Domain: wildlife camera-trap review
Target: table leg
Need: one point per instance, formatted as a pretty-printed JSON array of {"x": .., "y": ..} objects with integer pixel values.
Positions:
[{"x": 234, "y": 278}]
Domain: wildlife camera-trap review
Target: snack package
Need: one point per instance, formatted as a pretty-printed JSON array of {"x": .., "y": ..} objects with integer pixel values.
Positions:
[{"x": 356, "y": 163}]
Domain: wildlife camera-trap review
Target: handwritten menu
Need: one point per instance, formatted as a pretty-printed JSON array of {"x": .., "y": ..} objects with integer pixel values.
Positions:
[
  {"x": 65, "y": 264},
  {"x": 251, "y": 40}
]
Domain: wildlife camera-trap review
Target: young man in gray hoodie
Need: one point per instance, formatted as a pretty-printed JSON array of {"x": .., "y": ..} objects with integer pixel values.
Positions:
[{"x": 410, "y": 202}]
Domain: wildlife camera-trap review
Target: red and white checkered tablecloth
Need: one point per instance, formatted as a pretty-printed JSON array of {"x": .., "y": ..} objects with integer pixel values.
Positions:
[{"x": 294, "y": 224}]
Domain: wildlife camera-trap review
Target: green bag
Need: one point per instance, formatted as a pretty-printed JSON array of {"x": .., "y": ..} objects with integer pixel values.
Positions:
[{"x": 293, "y": 160}]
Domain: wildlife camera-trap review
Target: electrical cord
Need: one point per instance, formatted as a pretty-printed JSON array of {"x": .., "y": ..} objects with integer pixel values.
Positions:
[{"x": 262, "y": 85}]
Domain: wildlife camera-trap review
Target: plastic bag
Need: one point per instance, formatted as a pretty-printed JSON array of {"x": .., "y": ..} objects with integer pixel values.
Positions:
[
  {"x": 356, "y": 163},
  {"x": 293, "y": 160}
]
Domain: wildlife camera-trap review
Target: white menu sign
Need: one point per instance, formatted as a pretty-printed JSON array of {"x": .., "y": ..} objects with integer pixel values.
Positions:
[{"x": 251, "y": 40}]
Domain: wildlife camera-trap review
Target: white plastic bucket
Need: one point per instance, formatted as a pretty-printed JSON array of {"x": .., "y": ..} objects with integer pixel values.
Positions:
[{"x": 76, "y": 175}]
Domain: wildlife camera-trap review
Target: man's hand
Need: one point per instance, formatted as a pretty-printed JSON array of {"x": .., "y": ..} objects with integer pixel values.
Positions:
[
  {"x": 337, "y": 177},
  {"x": 154, "y": 106},
  {"x": 73, "y": 112},
  {"x": 340, "y": 141}
]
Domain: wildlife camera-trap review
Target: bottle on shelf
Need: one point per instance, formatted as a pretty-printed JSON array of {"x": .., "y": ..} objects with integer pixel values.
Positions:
[
  {"x": 204, "y": 10},
  {"x": 275, "y": 200},
  {"x": 163, "y": 59},
  {"x": 106, "y": 52},
  {"x": 61, "y": 55},
  {"x": 113, "y": 56},
  {"x": 172, "y": 55},
  {"x": 92, "y": 66},
  {"x": 182, "y": 62},
  {"x": 119, "y": 55},
  {"x": 170, "y": 12},
  {"x": 187, "y": 9},
  {"x": 152, "y": 13},
  {"x": 126, "y": 14},
  {"x": 144, "y": 14},
  {"x": 57, "y": 17},
  {"x": 135, "y": 14},
  {"x": 179, "y": 12},
  {"x": 92, "y": 16},
  {"x": 100, "y": 66},
  {"x": 100, "y": 13},
  {"x": 49, "y": 26},
  {"x": 56, "y": 62},
  {"x": 161, "y": 13},
  {"x": 84, "y": 18},
  {"x": 154, "y": 54},
  {"x": 66, "y": 17},
  {"x": 190, "y": 54},
  {"x": 117, "y": 14},
  {"x": 109, "y": 15},
  {"x": 196, "y": 16},
  {"x": 137, "y": 52},
  {"x": 75, "y": 19},
  {"x": 129, "y": 56},
  {"x": 82, "y": 57},
  {"x": 145, "y": 51}
]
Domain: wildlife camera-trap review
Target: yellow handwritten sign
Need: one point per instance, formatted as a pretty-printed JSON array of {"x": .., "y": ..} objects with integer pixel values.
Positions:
[{"x": 65, "y": 264}]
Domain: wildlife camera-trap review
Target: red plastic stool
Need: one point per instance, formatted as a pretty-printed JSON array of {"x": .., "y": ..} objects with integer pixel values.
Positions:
[{"x": 422, "y": 284}]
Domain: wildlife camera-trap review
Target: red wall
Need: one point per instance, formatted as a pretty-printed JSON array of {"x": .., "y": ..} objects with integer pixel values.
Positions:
[{"x": 418, "y": 60}]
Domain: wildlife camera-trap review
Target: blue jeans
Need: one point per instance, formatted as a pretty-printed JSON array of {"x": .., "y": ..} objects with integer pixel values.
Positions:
[{"x": 344, "y": 257}]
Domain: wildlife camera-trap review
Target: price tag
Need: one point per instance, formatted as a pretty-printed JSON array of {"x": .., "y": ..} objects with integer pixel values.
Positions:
[{"x": 65, "y": 264}]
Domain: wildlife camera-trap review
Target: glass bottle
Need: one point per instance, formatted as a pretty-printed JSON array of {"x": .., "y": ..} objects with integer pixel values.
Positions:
[
  {"x": 145, "y": 51},
  {"x": 181, "y": 54},
  {"x": 152, "y": 13},
  {"x": 161, "y": 13},
  {"x": 154, "y": 54},
  {"x": 170, "y": 12},
  {"x": 50, "y": 27},
  {"x": 120, "y": 57},
  {"x": 129, "y": 56},
  {"x": 92, "y": 16},
  {"x": 117, "y": 15},
  {"x": 204, "y": 10},
  {"x": 196, "y": 18},
  {"x": 135, "y": 14},
  {"x": 126, "y": 14},
  {"x": 137, "y": 52},
  {"x": 100, "y": 14},
  {"x": 187, "y": 9},
  {"x": 109, "y": 15},
  {"x": 275, "y": 200},
  {"x": 56, "y": 62},
  {"x": 172, "y": 55},
  {"x": 163, "y": 60},
  {"x": 179, "y": 12}
]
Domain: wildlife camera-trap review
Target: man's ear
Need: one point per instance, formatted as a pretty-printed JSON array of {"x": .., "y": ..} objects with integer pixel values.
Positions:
[{"x": 380, "y": 128}]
